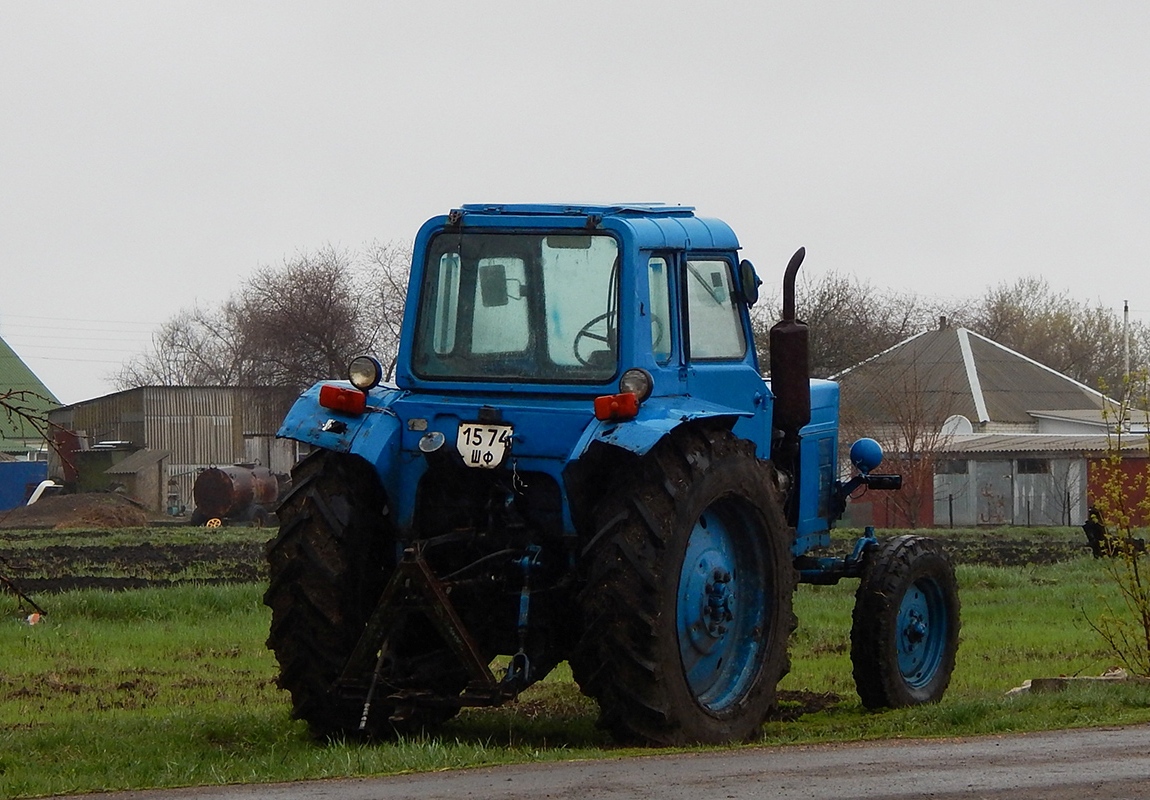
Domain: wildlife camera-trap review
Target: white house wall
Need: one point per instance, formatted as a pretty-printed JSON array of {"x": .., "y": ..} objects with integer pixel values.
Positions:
[{"x": 954, "y": 499}]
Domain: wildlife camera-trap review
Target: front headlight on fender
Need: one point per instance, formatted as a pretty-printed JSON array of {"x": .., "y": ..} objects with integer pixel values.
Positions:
[{"x": 364, "y": 372}]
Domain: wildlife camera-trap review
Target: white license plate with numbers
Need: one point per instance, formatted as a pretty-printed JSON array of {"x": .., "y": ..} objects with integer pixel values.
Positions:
[{"x": 483, "y": 446}]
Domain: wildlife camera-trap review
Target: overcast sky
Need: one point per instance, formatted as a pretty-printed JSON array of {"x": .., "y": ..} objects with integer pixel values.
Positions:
[{"x": 154, "y": 154}]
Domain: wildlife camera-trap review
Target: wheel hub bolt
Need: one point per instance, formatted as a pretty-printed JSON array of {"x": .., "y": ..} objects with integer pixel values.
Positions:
[
  {"x": 916, "y": 631},
  {"x": 718, "y": 609}
]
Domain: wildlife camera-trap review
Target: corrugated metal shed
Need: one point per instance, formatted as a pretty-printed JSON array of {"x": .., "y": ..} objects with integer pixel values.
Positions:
[{"x": 199, "y": 426}]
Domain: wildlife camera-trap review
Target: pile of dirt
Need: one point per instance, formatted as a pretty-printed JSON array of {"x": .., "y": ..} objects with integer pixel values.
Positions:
[{"x": 94, "y": 510}]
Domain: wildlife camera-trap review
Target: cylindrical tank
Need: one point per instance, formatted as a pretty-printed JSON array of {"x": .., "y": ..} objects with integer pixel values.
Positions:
[{"x": 222, "y": 492}]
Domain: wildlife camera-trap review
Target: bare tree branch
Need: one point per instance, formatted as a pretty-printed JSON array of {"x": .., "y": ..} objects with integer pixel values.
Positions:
[{"x": 287, "y": 326}]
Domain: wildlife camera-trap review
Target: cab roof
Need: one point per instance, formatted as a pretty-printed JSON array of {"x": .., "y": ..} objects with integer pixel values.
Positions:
[{"x": 653, "y": 225}]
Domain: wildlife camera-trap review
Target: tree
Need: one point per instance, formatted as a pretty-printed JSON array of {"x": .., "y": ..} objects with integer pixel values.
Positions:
[
  {"x": 1081, "y": 340},
  {"x": 849, "y": 321},
  {"x": 286, "y": 326},
  {"x": 21, "y": 409},
  {"x": 386, "y": 268},
  {"x": 910, "y": 430},
  {"x": 197, "y": 347},
  {"x": 1121, "y": 505},
  {"x": 303, "y": 321}
]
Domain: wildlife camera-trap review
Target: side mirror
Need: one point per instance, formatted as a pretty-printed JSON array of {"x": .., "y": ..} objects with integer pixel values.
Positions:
[
  {"x": 493, "y": 285},
  {"x": 749, "y": 282},
  {"x": 866, "y": 455}
]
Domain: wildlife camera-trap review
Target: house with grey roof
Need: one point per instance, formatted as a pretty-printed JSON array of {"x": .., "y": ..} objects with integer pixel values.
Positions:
[
  {"x": 983, "y": 434},
  {"x": 23, "y": 421},
  {"x": 21, "y": 437}
]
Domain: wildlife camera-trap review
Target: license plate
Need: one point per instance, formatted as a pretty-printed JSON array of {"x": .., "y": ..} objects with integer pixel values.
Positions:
[{"x": 483, "y": 446}]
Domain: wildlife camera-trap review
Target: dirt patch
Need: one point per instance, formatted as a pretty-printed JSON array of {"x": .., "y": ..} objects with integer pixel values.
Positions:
[
  {"x": 95, "y": 552},
  {"x": 63, "y": 567},
  {"x": 1015, "y": 551},
  {"x": 793, "y": 705},
  {"x": 94, "y": 510}
]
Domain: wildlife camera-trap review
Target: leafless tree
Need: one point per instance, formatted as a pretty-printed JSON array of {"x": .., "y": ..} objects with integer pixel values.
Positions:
[
  {"x": 287, "y": 326},
  {"x": 386, "y": 267},
  {"x": 1082, "y": 340},
  {"x": 197, "y": 347},
  {"x": 22, "y": 409},
  {"x": 303, "y": 321},
  {"x": 908, "y": 422},
  {"x": 849, "y": 320}
]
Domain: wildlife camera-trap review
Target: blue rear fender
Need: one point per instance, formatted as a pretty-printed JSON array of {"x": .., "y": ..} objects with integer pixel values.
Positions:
[
  {"x": 658, "y": 416},
  {"x": 374, "y": 435},
  {"x": 550, "y": 434}
]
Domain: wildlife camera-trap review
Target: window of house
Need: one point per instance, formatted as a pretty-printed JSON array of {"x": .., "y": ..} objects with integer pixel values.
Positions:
[
  {"x": 1033, "y": 466},
  {"x": 951, "y": 467}
]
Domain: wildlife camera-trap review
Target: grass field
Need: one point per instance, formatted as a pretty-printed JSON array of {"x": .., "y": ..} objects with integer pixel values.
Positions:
[{"x": 173, "y": 687}]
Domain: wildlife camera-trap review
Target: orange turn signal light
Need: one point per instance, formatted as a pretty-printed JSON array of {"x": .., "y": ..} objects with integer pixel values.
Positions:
[
  {"x": 617, "y": 406},
  {"x": 342, "y": 399}
]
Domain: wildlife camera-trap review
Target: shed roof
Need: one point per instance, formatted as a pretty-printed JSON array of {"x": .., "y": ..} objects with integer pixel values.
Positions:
[
  {"x": 137, "y": 461},
  {"x": 962, "y": 372},
  {"x": 1040, "y": 443}
]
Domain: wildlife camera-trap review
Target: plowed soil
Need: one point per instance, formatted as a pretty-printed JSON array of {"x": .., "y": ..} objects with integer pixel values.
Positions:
[{"x": 109, "y": 541}]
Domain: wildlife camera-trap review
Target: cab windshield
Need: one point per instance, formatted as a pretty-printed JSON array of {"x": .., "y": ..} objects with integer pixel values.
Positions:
[{"x": 528, "y": 307}]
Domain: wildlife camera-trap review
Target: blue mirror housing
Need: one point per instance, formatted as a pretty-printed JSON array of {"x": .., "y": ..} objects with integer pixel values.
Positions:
[{"x": 866, "y": 455}]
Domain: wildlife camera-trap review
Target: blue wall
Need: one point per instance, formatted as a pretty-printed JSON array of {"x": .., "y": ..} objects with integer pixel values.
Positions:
[{"x": 15, "y": 476}]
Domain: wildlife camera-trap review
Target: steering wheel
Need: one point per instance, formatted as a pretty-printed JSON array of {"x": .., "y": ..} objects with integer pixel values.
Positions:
[
  {"x": 658, "y": 331},
  {"x": 586, "y": 332}
]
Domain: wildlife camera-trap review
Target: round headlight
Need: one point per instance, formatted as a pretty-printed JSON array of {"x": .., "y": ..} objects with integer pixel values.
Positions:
[
  {"x": 364, "y": 372},
  {"x": 638, "y": 382}
]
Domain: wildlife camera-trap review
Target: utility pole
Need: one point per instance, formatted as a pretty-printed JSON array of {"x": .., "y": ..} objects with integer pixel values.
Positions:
[{"x": 1125, "y": 359}]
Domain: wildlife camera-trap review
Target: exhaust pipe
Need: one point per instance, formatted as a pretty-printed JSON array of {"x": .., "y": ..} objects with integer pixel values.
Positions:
[{"x": 790, "y": 371}]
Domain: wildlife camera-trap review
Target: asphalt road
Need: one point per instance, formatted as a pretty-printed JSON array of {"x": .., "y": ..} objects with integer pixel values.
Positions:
[{"x": 1061, "y": 765}]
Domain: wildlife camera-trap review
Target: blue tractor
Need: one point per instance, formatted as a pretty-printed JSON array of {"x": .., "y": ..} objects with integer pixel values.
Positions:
[{"x": 580, "y": 461}]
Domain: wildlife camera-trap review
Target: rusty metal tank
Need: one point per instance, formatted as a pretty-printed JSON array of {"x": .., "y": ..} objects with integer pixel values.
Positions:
[{"x": 234, "y": 492}]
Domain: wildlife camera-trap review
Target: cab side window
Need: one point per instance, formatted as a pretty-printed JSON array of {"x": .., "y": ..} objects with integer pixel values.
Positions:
[
  {"x": 716, "y": 331},
  {"x": 660, "y": 305}
]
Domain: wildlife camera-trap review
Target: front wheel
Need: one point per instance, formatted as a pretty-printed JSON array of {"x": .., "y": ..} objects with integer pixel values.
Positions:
[{"x": 904, "y": 636}]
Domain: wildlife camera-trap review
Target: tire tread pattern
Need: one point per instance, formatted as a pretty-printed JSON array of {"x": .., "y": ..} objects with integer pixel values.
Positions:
[
  {"x": 326, "y": 570},
  {"x": 889, "y": 572},
  {"x": 617, "y": 660}
]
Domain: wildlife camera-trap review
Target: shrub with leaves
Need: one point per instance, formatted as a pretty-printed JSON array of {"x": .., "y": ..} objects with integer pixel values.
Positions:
[{"x": 1122, "y": 506}]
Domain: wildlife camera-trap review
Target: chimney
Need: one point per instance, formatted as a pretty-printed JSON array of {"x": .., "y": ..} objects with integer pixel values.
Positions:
[{"x": 942, "y": 323}]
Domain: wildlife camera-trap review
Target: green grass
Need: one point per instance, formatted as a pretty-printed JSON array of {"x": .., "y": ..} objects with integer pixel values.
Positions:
[{"x": 173, "y": 687}]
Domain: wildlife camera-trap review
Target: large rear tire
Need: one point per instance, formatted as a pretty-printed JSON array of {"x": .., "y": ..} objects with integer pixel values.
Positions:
[
  {"x": 686, "y": 605},
  {"x": 904, "y": 636},
  {"x": 327, "y": 569}
]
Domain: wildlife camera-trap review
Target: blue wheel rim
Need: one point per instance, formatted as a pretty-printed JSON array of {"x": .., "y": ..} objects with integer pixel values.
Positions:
[
  {"x": 722, "y": 607},
  {"x": 921, "y": 632}
]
